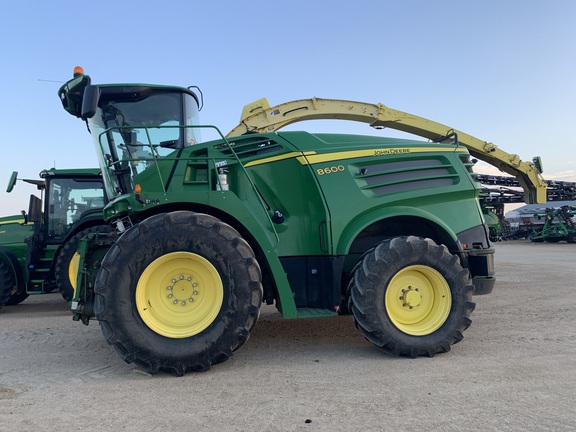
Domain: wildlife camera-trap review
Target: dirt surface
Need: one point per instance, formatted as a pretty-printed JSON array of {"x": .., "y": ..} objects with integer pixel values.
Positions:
[{"x": 514, "y": 371}]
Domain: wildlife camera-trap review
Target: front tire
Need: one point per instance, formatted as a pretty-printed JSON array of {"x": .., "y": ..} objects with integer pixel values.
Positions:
[
  {"x": 411, "y": 297},
  {"x": 179, "y": 291},
  {"x": 66, "y": 265}
]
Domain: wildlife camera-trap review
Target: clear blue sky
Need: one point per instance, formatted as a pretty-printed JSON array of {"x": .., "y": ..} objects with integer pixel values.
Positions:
[{"x": 501, "y": 70}]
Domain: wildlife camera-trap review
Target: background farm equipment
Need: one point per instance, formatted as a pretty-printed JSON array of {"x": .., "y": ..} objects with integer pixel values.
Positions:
[
  {"x": 558, "y": 225},
  {"x": 37, "y": 248},
  {"x": 497, "y": 191}
]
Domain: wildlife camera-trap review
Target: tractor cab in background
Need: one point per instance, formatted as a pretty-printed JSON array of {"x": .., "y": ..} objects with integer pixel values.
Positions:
[{"x": 36, "y": 248}]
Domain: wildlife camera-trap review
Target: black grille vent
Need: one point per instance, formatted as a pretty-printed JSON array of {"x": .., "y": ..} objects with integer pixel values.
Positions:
[
  {"x": 250, "y": 147},
  {"x": 394, "y": 177}
]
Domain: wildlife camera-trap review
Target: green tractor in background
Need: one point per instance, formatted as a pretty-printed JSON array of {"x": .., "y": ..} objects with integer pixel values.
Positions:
[
  {"x": 37, "y": 248},
  {"x": 558, "y": 225},
  {"x": 493, "y": 222}
]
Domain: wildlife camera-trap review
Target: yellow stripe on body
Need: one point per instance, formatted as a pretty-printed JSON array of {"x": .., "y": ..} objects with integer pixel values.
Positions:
[
  {"x": 20, "y": 221},
  {"x": 311, "y": 157}
]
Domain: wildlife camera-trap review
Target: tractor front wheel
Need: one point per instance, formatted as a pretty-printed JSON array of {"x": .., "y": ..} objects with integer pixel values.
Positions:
[
  {"x": 410, "y": 297},
  {"x": 180, "y": 291},
  {"x": 66, "y": 264}
]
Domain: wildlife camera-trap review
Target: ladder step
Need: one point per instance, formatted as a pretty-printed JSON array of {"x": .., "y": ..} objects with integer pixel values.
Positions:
[{"x": 315, "y": 313}]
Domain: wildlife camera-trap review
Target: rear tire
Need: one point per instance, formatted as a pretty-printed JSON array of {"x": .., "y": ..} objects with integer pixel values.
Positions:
[
  {"x": 65, "y": 264},
  {"x": 411, "y": 297},
  {"x": 180, "y": 291},
  {"x": 17, "y": 298}
]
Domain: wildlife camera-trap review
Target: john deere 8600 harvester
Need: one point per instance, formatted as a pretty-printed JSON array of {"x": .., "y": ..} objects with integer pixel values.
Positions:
[{"x": 389, "y": 230}]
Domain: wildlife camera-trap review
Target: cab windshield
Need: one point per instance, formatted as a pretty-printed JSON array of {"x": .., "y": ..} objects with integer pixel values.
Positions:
[{"x": 132, "y": 129}]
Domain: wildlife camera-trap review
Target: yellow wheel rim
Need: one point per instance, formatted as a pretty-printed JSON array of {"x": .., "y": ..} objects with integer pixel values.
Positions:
[
  {"x": 179, "y": 294},
  {"x": 73, "y": 270},
  {"x": 418, "y": 300}
]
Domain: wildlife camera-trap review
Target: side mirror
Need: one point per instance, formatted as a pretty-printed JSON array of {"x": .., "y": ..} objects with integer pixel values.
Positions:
[
  {"x": 537, "y": 161},
  {"x": 71, "y": 94},
  {"x": 90, "y": 101},
  {"x": 35, "y": 209},
  {"x": 12, "y": 181}
]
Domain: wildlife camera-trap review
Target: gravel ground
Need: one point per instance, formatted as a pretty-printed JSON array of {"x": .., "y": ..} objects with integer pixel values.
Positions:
[{"x": 514, "y": 370}]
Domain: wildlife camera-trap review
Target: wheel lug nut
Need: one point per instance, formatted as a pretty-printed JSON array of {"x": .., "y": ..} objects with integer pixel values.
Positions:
[
  {"x": 169, "y": 287},
  {"x": 181, "y": 277},
  {"x": 175, "y": 301},
  {"x": 195, "y": 292},
  {"x": 183, "y": 303},
  {"x": 194, "y": 284},
  {"x": 191, "y": 299},
  {"x": 189, "y": 278},
  {"x": 173, "y": 280},
  {"x": 169, "y": 295}
]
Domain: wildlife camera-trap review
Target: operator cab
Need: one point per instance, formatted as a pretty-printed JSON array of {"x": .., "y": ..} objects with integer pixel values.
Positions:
[{"x": 133, "y": 125}]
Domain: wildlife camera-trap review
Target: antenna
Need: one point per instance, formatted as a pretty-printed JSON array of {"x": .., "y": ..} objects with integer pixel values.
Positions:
[{"x": 54, "y": 81}]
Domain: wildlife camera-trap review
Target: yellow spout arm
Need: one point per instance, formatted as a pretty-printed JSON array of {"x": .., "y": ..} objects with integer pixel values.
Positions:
[{"x": 260, "y": 117}]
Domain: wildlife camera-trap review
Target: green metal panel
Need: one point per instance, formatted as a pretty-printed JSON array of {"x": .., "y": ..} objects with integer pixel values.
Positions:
[
  {"x": 290, "y": 188},
  {"x": 366, "y": 179},
  {"x": 13, "y": 232}
]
